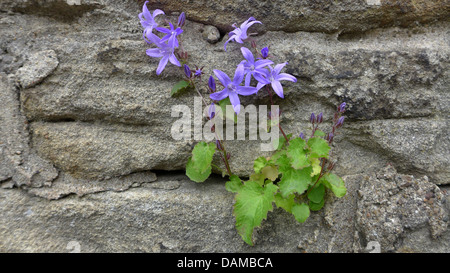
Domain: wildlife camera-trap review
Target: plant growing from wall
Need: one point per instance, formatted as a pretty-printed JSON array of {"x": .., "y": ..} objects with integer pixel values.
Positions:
[{"x": 295, "y": 177}]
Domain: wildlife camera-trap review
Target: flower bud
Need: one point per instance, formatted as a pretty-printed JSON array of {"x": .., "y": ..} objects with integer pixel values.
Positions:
[
  {"x": 312, "y": 119},
  {"x": 219, "y": 146},
  {"x": 302, "y": 135},
  {"x": 265, "y": 53},
  {"x": 212, "y": 111},
  {"x": 341, "y": 108},
  {"x": 320, "y": 118},
  {"x": 340, "y": 122},
  {"x": 253, "y": 44},
  {"x": 329, "y": 137},
  {"x": 187, "y": 71},
  {"x": 181, "y": 19},
  {"x": 212, "y": 84}
]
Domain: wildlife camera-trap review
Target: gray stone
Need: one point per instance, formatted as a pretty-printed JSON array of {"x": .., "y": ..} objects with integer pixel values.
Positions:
[
  {"x": 38, "y": 66},
  {"x": 393, "y": 206}
]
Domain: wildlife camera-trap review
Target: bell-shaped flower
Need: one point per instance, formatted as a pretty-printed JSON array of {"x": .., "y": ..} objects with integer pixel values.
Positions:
[
  {"x": 171, "y": 35},
  {"x": 233, "y": 87},
  {"x": 273, "y": 77},
  {"x": 148, "y": 20},
  {"x": 239, "y": 34},
  {"x": 251, "y": 66},
  {"x": 163, "y": 51}
]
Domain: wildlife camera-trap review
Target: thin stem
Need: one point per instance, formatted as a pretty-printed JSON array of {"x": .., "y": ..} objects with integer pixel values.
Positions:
[
  {"x": 318, "y": 178},
  {"x": 279, "y": 125},
  {"x": 224, "y": 158}
]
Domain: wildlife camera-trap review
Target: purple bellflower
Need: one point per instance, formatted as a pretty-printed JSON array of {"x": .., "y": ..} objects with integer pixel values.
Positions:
[
  {"x": 172, "y": 34},
  {"x": 163, "y": 50},
  {"x": 239, "y": 34},
  {"x": 273, "y": 76},
  {"x": 232, "y": 88},
  {"x": 251, "y": 66},
  {"x": 148, "y": 20}
]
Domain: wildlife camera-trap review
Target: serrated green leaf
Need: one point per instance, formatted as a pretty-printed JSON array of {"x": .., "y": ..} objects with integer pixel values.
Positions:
[
  {"x": 198, "y": 167},
  {"x": 300, "y": 212},
  {"x": 316, "y": 206},
  {"x": 178, "y": 87},
  {"x": 259, "y": 163},
  {"x": 282, "y": 141},
  {"x": 270, "y": 172},
  {"x": 315, "y": 164},
  {"x": 295, "y": 181},
  {"x": 319, "y": 147},
  {"x": 258, "y": 178},
  {"x": 253, "y": 202},
  {"x": 285, "y": 203},
  {"x": 319, "y": 133},
  {"x": 297, "y": 154},
  {"x": 234, "y": 184},
  {"x": 284, "y": 163},
  {"x": 334, "y": 183},
  {"x": 317, "y": 193}
]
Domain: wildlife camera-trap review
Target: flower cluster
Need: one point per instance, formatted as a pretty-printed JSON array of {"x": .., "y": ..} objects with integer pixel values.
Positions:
[
  {"x": 165, "y": 46},
  {"x": 261, "y": 69}
]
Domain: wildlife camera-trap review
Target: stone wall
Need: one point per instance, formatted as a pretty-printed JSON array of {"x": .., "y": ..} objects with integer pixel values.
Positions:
[{"x": 85, "y": 125}]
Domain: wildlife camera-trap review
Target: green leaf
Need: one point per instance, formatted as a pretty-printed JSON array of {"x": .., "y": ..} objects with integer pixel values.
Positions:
[
  {"x": 258, "y": 178},
  {"x": 285, "y": 203},
  {"x": 259, "y": 163},
  {"x": 319, "y": 133},
  {"x": 316, "y": 206},
  {"x": 198, "y": 167},
  {"x": 179, "y": 86},
  {"x": 315, "y": 164},
  {"x": 301, "y": 212},
  {"x": 234, "y": 184},
  {"x": 297, "y": 154},
  {"x": 295, "y": 181},
  {"x": 270, "y": 172},
  {"x": 334, "y": 183},
  {"x": 231, "y": 115},
  {"x": 319, "y": 147},
  {"x": 317, "y": 193},
  {"x": 282, "y": 142},
  {"x": 253, "y": 202},
  {"x": 284, "y": 163}
]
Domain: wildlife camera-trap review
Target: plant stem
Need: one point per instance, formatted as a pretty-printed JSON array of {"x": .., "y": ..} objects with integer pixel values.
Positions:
[
  {"x": 318, "y": 178},
  {"x": 279, "y": 125},
  {"x": 224, "y": 157}
]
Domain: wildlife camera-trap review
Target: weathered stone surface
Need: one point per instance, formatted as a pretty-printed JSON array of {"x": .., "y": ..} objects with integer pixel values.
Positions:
[
  {"x": 20, "y": 166},
  {"x": 174, "y": 214},
  {"x": 38, "y": 66},
  {"x": 307, "y": 15},
  {"x": 392, "y": 205}
]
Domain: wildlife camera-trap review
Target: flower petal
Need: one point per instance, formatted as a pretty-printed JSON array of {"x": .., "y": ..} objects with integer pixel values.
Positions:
[
  {"x": 219, "y": 95},
  {"x": 238, "y": 75},
  {"x": 262, "y": 63},
  {"x": 225, "y": 45},
  {"x": 248, "y": 55},
  {"x": 246, "y": 90},
  {"x": 276, "y": 85},
  {"x": 174, "y": 60},
  {"x": 278, "y": 67},
  {"x": 162, "y": 65},
  {"x": 223, "y": 78},
  {"x": 286, "y": 77},
  {"x": 234, "y": 99},
  {"x": 157, "y": 12},
  {"x": 248, "y": 78},
  {"x": 154, "y": 52}
]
